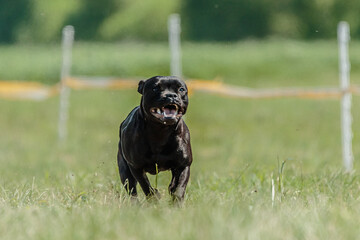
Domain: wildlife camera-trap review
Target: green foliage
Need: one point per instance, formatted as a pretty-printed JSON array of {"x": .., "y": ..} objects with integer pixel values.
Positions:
[
  {"x": 226, "y": 19},
  {"x": 137, "y": 19},
  {"x": 203, "y": 20},
  {"x": 232, "y": 20},
  {"x": 108, "y": 20},
  {"x": 91, "y": 14},
  {"x": 348, "y": 11},
  {"x": 46, "y": 21},
  {"x": 12, "y": 14}
]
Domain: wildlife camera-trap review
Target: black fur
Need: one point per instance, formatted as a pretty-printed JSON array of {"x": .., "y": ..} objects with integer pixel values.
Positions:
[{"x": 148, "y": 138}]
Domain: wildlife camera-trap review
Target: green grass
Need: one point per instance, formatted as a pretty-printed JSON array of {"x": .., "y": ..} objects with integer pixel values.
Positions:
[
  {"x": 269, "y": 63},
  {"x": 72, "y": 191}
]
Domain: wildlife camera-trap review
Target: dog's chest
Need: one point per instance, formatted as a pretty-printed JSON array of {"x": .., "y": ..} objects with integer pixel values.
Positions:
[
  {"x": 165, "y": 157},
  {"x": 158, "y": 164}
]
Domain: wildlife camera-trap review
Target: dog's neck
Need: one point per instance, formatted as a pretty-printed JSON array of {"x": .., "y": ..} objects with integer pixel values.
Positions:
[{"x": 158, "y": 127}]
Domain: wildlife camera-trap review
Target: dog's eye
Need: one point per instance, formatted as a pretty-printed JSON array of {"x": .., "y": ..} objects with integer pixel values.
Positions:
[
  {"x": 155, "y": 89},
  {"x": 181, "y": 89}
]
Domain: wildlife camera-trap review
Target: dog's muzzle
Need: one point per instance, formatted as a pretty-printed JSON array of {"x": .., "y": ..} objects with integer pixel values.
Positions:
[{"x": 167, "y": 112}]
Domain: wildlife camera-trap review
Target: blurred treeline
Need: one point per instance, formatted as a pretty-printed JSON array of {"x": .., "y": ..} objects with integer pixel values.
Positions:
[{"x": 202, "y": 20}]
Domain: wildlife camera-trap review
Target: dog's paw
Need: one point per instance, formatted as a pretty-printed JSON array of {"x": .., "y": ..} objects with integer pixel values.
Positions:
[{"x": 177, "y": 198}]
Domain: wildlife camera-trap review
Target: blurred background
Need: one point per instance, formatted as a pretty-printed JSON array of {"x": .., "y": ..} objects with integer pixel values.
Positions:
[
  {"x": 71, "y": 190},
  {"x": 246, "y": 42},
  {"x": 41, "y": 21}
]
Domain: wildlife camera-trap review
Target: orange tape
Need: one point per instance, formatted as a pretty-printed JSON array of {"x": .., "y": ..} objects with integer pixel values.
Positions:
[
  {"x": 103, "y": 83},
  {"x": 38, "y": 91},
  {"x": 27, "y": 90}
]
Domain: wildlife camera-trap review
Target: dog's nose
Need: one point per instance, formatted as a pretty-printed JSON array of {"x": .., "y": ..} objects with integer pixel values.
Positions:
[{"x": 171, "y": 95}]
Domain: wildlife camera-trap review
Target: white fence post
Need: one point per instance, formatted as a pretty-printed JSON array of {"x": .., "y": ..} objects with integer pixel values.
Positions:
[
  {"x": 174, "y": 29},
  {"x": 67, "y": 42},
  {"x": 346, "y": 118}
]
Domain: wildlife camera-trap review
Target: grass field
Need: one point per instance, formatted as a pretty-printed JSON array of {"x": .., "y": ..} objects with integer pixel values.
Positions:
[{"x": 72, "y": 191}]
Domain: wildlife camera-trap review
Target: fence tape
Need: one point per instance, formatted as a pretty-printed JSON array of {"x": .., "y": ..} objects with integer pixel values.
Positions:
[
  {"x": 38, "y": 91},
  {"x": 27, "y": 90},
  {"x": 80, "y": 83}
]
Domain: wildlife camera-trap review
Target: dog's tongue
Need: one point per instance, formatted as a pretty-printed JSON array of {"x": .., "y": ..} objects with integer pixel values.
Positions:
[{"x": 169, "y": 112}]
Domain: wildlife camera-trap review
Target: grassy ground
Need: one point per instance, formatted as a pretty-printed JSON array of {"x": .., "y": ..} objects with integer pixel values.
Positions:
[{"x": 72, "y": 191}]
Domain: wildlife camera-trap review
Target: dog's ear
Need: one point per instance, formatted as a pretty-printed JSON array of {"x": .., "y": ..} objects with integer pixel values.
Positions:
[{"x": 141, "y": 86}]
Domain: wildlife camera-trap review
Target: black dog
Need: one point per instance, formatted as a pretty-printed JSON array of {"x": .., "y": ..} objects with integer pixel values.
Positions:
[{"x": 155, "y": 137}]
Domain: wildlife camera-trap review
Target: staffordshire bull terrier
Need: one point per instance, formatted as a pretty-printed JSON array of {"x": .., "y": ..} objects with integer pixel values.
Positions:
[{"x": 155, "y": 138}]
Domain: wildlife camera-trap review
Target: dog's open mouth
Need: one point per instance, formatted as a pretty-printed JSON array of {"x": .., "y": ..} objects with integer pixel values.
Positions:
[{"x": 166, "y": 112}]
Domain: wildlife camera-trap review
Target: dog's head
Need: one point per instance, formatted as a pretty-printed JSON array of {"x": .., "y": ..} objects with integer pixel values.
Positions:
[{"x": 164, "y": 99}]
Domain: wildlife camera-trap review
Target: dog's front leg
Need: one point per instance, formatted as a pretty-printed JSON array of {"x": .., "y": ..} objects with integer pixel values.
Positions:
[
  {"x": 180, "y": 178},
  {"x": 143, "y": 180}
]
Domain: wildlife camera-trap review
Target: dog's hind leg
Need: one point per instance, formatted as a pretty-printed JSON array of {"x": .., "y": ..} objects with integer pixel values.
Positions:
[{"x": 126, "y": 177}]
